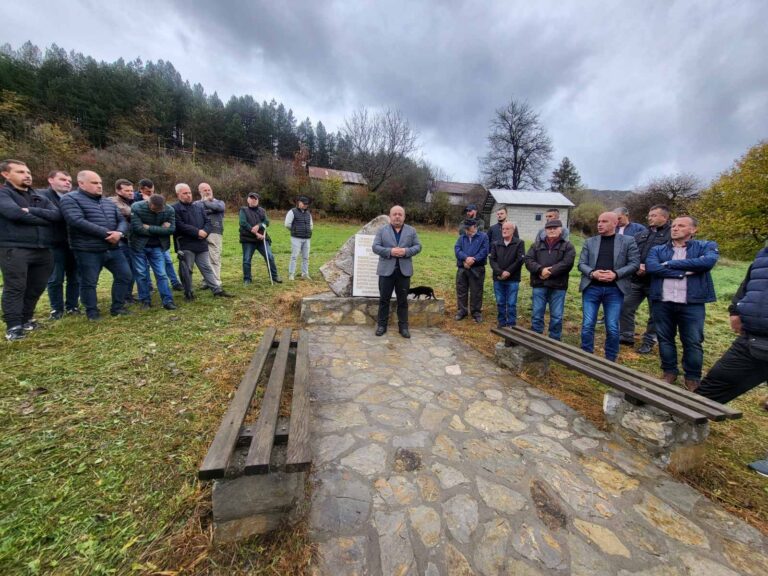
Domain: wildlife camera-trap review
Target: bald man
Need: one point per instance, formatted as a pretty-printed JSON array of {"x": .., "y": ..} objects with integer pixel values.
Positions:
[
  {"x": 96, "y": 227},
  {"x": 606, "y": 263},
  {"x": 215, "y": 210}
]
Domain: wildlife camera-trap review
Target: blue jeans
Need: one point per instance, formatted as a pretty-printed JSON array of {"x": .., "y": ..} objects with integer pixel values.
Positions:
[
  {"x": 64, "y": 265},
  {"x": 248, "y": 250},
  {"x": 506, "y": 302},
  {"x": 556, "y": 300},
  {"x": 169, "y": 271},
  {"x": 688, "y": 321},
  {"x": 142, "y": 260},
  {"x": 90, "y": 265},
  {"x": 611, "y": 298}
]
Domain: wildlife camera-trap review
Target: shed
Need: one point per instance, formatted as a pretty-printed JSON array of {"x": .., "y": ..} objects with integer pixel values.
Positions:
[
  {"x": 350, "y": 181},
  {"x": 525, "y": 208}
]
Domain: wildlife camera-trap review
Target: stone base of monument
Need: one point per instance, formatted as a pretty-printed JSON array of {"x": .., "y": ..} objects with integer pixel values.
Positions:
[
  {"x": 672, "y": 443},
  {"x": 327, "y": 308},
  {"x": 247, "y": 505}
]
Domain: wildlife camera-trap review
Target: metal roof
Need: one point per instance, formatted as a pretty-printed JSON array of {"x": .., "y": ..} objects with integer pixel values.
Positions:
[
  {"x": 461, "y": 188},
  {"x": 530, "y": 198},
  {"x": 345, "y": 177}
]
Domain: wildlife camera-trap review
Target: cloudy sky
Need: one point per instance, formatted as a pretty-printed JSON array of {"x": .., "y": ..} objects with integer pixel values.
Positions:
[{"x": 628, "y": 90}]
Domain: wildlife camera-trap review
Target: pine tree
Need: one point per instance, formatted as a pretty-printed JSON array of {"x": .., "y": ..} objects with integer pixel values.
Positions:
[{"x": 566, "y": 180}]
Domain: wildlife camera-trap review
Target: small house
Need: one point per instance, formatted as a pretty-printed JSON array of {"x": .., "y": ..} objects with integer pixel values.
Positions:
[
  {"x": 459, "y": 193},
  {"x": 525, "y": 208},
  {"x": 350, "y": 181}
]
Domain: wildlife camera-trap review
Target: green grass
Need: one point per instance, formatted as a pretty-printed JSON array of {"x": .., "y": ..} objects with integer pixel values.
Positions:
[{"x": 105, "y": 424}]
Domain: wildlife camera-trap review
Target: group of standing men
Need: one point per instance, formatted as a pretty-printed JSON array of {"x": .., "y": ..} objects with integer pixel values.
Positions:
[{"x": 59, "y": 237}]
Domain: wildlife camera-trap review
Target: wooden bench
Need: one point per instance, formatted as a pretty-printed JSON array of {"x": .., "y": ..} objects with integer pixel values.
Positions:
[
  {"x": 253, "y": 462},
  {"x": 639, "y": 390}
]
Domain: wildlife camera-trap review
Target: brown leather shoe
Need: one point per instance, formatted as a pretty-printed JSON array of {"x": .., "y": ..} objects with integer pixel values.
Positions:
[
  {"x": 691, "y": 385},
  {"x": 669, "y": 377}
]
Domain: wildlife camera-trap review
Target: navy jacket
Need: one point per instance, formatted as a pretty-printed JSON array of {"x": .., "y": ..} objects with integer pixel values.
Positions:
[
  {"x": 632, "y": 229},
  {"x": 751, "y": 301},
  {"x": 89, "y": 219},
  {"x": 33, "y": 229},
  {"x": 701, "y": 257},
  {"x": 60, "y": 227},
  {"x": 190, "y": 219},
  {"x": 477, "y": 247}
]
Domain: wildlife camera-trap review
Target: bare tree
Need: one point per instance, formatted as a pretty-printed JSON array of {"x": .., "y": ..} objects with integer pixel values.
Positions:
[
  {"x": 520, "y": 148},
  {"x": 380, "y": 144},
  {"x": 677, "y": 191}
]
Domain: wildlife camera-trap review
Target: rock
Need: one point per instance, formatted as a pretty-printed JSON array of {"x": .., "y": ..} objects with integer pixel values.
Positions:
[
  {"x": 584, "y": 560},
  {"x": 455, "y": 562},
  {"x": 554, "y": 432},
  {"x": 542, "y": 446},
  {"x": 539, "y": 545},
  {"x": 333, "y": 417},
  {"x": 493, "y": 395},
  {"x": 610, "y": 479},
  {"x": 585, "y": 444},
  {"x": 379, "y": 394},
  {"x": 368, "y": 460},
  {"x": 664, "y": 518},
  {"x": 396, "y": 553},
  {"x": 460, "y": 513},
  {"x": 548, "y": 507},
  {"x": 428, "y": 487},
  {"x": 602, "y": 537},
  {"x": 341, "y": 504},
  {"x": 453, "y": 370},
  {"x": 746, "y": 558},
  {"x": 445, "y": 448},
  {"x": 415, "y": 440},
  {"x": 343, "y": 556},
  {"x": 540, "y": 407},
  {"x": 457, "y": 424},
  {"x": 448, "y": 477},
  {"x": 500, "y": 497},
  {"x": 491, "y": 552},
  {"x": 396, "y": 491},
  {"x": 491, "y": 418},
  {"x": 432, "y": 416},
  {"x": 329, "y": 448},
  {"x": 584, "y": 498},
  {"x": 338, "y": 271},
  {"x": 698, "y": 564},
  {"x": 426, "y": 523}
]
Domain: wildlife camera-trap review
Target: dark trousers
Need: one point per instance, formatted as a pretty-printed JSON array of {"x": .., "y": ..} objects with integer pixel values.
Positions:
[
  {"x": 469, "y": 290},
  {"x": 400, "y": 284},
  {"x": 90, "y": 265},
  {"x": 737, "y": 372},
  {"x": 25, "y": 276},
  {"x": 688, "y": 321},
  {"x": 64, "y": 266},
  {"x": 248, "y": 250},
  {"x": 632, "y": 300},
  {"x": 126, "y": 250}
]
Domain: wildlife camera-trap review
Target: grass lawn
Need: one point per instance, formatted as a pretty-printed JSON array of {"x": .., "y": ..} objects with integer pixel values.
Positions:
[{"x": 105, "y": 424}]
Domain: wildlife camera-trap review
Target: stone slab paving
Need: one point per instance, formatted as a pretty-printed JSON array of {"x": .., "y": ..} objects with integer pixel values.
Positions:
[{"x": 429, "y": 459}]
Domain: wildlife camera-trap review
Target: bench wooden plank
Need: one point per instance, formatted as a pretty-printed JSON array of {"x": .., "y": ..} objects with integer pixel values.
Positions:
[
  {"x": 599, "y": 373},
  {"x": 257, "y": 461},
  {"x": 713, "y": 410},
  {"x": 218, "y": 456},
  {"x": 299, "y": 453}
]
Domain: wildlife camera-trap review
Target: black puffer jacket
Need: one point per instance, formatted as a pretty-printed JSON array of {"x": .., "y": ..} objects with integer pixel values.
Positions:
[
  {"x": 32, "y": 229},
  {"x": 509, "y": 258},
  {"x": 60, "y": 227},
  {"x": 561, "y": 258},
  {"x": 90, "y": 219}
]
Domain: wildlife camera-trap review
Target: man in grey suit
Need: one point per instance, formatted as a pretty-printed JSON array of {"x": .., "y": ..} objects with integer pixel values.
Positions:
[
  {"x": 395, "y": 245},
  {"x": 606, "y": 263}
]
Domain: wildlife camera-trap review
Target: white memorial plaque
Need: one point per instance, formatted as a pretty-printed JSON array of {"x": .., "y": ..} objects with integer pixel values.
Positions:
[{"x": 365, "y": 281}]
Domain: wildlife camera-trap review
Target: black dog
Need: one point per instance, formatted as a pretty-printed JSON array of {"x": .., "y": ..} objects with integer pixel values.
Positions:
[{"x": 419, "y": 291}]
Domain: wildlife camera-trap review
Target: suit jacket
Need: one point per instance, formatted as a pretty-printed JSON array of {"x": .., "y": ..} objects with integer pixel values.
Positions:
[
  {"x": 385, "y": 241},
  {"x": 626, "y": 260}
]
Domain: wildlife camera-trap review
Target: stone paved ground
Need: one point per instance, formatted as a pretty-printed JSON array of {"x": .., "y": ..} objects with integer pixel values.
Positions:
[{"x": 428, "y": 459}]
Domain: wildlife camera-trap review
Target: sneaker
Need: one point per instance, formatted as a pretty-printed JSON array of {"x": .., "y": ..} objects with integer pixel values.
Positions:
[
  {"x": 56, "y": 315},
  {"x": 30, "y": 325},
  {"x": 203, "y": 287},
  {"x": 73, "y": 311},
  {"x": 404, "y": 332},
  {"x": 459, "y": 317},
  {"x": 223, "y": 294},
  {"x": 291, "y": 277},
  {"x": 246, "y": 282},
  {"x": 178, "y": 287},
  {"x": 169, "y": 306},
  {"x": 15, "y": 333},
  {"x": 120, "y": 312},
  {"x": 146, "y": 305},
  {"x": 277, "y": 280},
  {"x": 645, "y": 348},
  {"x": 130, "y": 299},
  {"x": 189, "y": 296},
  {"x": 381, "y": 330},
  {"x": 306, "y": 277},
  {"x": 93, "y": 317},
  {"x": 478, "y": 319},
  {"x": 759, "y": 466}
]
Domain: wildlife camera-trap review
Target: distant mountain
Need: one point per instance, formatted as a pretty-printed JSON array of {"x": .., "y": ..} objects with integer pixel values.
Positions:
[{"x": 611, "y": 198}]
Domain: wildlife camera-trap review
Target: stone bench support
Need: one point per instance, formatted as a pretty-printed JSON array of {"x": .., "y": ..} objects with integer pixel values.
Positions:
[{"x": 330, "y": 309}]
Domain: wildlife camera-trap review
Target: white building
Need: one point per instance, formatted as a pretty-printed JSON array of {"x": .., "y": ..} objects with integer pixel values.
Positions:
[{"x": 525, "y": 208}]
